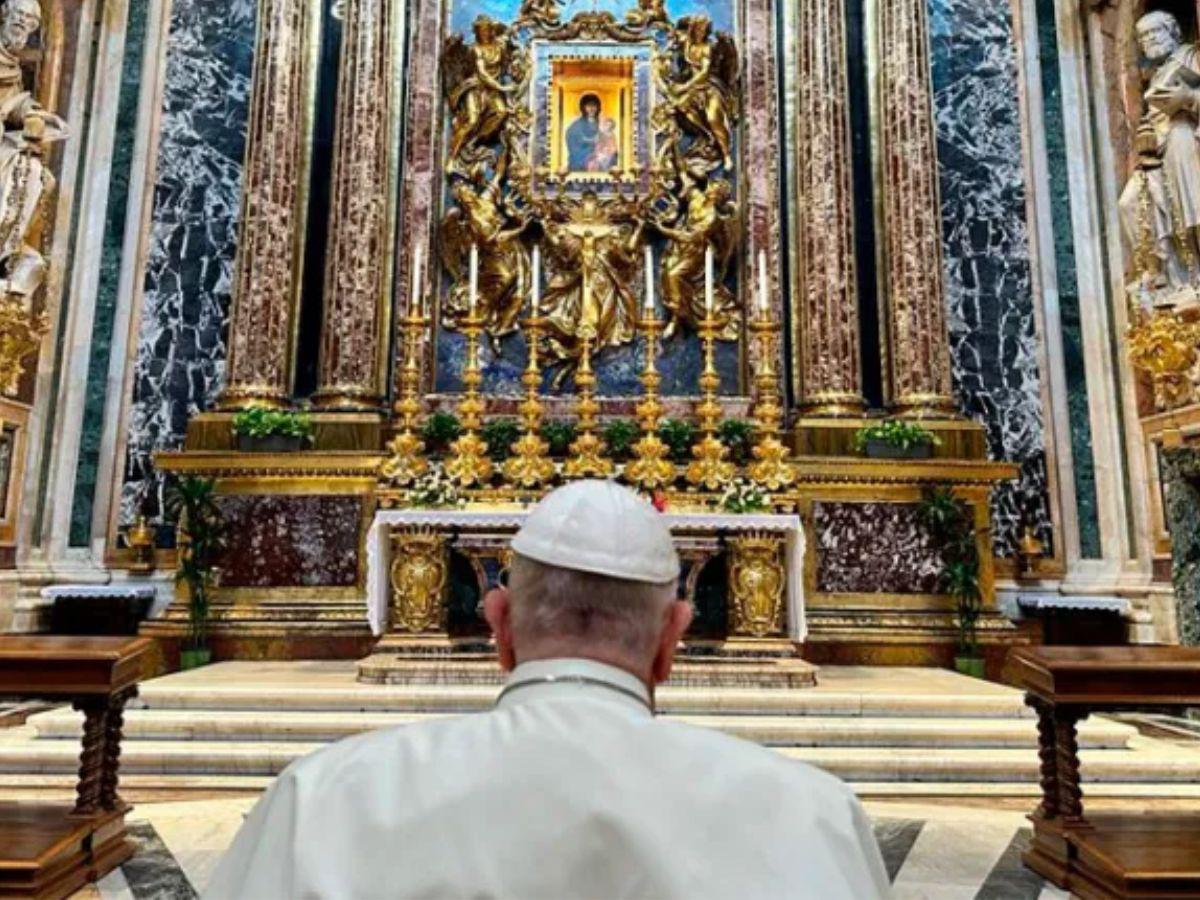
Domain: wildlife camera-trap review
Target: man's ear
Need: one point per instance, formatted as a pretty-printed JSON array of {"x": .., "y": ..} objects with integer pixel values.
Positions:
[
  {"x": 497, "y": 609},
  {"x": 675, "y": 623}
]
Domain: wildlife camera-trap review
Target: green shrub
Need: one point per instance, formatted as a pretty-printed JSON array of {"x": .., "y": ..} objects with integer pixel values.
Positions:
[
  {"x": 559, "y": 434},
  {"x": 261, "y": 421},
  {"x": 679, "y": 436},
  {"x": 738, "y": 436},
  {"x": 619, "y": 437},
  {"x": 500, "y": 435},
  {"x": 950, "y": 521},
  {"x": 439, "y": 431},
  {"x": 896, "y": 433}
]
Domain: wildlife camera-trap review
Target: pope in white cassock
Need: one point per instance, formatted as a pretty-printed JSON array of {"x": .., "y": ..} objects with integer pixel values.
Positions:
[{"x": 570, "y": 786}]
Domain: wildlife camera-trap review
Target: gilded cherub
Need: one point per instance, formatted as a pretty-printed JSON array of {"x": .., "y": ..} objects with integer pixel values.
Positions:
[
  {"x": 710, "y": 219},
  {"x": 483, "y": 219},
  {"x": 477, "y": 96},
  {"x": 702, "y": 92},
  {"x": 538, "y": 12}
]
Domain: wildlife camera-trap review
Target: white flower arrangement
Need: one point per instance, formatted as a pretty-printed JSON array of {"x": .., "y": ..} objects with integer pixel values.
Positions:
[
  {"x": 433, "y": 489},
  {"x": 744, "y": 496}
]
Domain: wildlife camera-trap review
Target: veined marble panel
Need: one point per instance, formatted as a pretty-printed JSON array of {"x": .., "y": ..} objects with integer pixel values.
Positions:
[
  {"x": 988, "y": 279},
  {"x": 181, "y": 343},
  {"x": 869, "y": 548}
]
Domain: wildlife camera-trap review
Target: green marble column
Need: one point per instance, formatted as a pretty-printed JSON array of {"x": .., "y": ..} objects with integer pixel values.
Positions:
[{"x": 1181, "y": 479}]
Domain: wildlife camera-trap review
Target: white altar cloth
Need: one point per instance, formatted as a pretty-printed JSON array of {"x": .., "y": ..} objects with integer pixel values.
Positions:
[{"x": 379, "y": 548}]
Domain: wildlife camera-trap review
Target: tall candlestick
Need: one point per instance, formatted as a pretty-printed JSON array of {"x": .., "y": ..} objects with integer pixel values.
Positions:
[
  {"x": 649, "y": 254},
  {"x": 537, "y": 279},
  {"x": 762, "y": 283},
  {"x": 474, "y": 285},
  {"x": 414, "y": 302},
  {"x": 708, "y": 279}
]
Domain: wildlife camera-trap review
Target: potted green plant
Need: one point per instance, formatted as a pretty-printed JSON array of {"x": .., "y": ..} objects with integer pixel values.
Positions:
[
  {"x": 262, "y": 430},
  {"x": 951, "y": 523},
  {"x": 439, "y": 432},
  {"x": 191, "y": 501},
  {"x": 895, "y": 439},
  {"x": 744, "y": 496},
  {"x": 559, "y": 435},
  {"x": 619, "y": 437},
  {"x": 738, "y": 436},
  {"x": 679, "y": 436},
  {"x": 500, "y": 435}
]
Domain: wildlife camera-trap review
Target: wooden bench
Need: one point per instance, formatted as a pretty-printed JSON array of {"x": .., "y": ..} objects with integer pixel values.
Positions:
[
  {"x": 1104, "y": 856},
  {"x": 50, "y": 850}
]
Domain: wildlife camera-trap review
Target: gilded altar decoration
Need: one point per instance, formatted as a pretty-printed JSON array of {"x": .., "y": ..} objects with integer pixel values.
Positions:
[
  {"x": 530, "y": 465},
  {"x": 710, "y": 467},
  {"x": 771, "y": 466},
  {"x": 483, "y": 219},
  {"x": 538, "y": 12},
  {"x": 651, "y": 466},
  {"x": 468, "y": 463},
  {"x": 1163, "y": 344},
  {"x": 587, "y": 459},
  {"x": 419, "y": 576},
  {"x": 1160, "y": 212},
  {"x": 406, "y": 451},
  {"x": 690, "y": 271},
  {"x": 699, "y": 76},
  {"x": 756, "y": 585},
  {"x": 26, "y": 192}
]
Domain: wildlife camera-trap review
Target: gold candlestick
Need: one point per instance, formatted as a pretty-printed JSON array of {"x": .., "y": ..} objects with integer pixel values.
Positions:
[
  {"x": 469, "y": 463},
  {"x": 710, "y": 468},
  {"x": 770, "y": 467},
  {"x": 406, "y": 461},
  {"x": 651, "y": 467},
  {"x": 530, "y": 465},
  {"x": 587, "y": 460}
]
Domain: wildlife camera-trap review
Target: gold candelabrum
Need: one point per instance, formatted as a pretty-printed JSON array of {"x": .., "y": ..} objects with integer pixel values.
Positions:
[
  {"x": 770, "y": 467},
  {"x": 587, "y": 450},
  {"x": 651, "y": 467},
  {"x": 469, "y": 464},
  {"x": 710, "y": 468},
  {"x": 530, "y": 465},
  {"x": 406, "y": 451}
]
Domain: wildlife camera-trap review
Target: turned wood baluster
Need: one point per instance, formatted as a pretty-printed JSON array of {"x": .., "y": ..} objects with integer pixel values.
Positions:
[
  {"x": 114, "y": 722},
  {"x": 1070, "y": 796},
  {"x": 91, "y": 757},
  {"x": 1048, "y": 756}
]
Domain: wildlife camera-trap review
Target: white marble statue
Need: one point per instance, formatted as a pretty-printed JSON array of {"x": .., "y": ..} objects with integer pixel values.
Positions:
[
  {"x": 26, "y": 185},
  {"x": 1160, "y": 205}
]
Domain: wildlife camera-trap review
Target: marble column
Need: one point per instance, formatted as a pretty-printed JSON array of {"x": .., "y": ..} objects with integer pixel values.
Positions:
[
  {"x": 356, "y": 276},
  {"x": 918, "y": 341},
  {"x": 827, "y": 318},
  {"x": 274, "y": 206}
]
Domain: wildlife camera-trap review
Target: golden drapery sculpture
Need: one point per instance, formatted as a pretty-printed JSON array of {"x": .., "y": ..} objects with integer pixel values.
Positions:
[
  {"x": 26, "y": 191},
  {"x": 592, "y": 237}
]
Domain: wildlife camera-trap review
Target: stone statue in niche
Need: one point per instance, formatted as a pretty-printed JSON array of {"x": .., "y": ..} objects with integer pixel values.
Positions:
[
  {"x": 482, "y": 218},
  {"x": 26, "y": 191},
  {"x": 1160, "y": 204},
  {"x": 709, "y": 219}
]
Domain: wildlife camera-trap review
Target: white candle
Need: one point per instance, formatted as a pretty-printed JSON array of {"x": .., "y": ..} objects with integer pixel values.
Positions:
[
  {"x": 414, "y": 302},
  {"x": 649, "y": 254},
  {"x": 708, "y": 279},
  {"x": 474, "y": 285},
  {"x": 762, "y": 283},
  {"x": 536, "y": 303}
]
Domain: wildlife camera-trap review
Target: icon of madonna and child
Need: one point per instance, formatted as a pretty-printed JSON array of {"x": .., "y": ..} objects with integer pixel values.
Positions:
[{"x": 593, "y": 144}]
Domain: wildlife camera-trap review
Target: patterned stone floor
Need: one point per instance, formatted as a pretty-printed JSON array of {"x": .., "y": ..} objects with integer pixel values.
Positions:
[{"x": 932, "y": 851}]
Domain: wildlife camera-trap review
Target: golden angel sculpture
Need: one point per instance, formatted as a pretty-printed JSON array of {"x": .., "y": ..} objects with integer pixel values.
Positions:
[
  {"x": 709, "y": 220},
  {"x": 593, "y": 260},
  {"x": 480, "y": 99},
  {"x": 482, "y": 219},
  {"x": 701, "y": 82},
  {"x": 26, "y": 191}
]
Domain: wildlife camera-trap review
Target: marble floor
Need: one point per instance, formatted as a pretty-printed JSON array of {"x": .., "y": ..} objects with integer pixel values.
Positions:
[{"x": 932, "y": 851}]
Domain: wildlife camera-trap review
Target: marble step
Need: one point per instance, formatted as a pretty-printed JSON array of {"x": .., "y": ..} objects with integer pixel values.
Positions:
[
  {"x": 799, "y": 731},
  {"x": 854, "y": 764},
  {"x": 169, "y": 693}
]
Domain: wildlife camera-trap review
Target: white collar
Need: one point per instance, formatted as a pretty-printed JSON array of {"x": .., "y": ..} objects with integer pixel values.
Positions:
[{"x": 537, "y": 679}]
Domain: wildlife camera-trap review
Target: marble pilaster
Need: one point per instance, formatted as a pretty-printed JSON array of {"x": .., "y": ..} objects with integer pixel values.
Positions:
[
  {"x": 826, "y": 321},
  {"x": 919, "y": 353},
  {"x": 274, "y": 204},
  {"x": 353, "y": 340}
]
